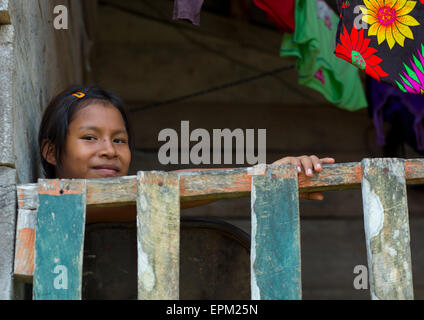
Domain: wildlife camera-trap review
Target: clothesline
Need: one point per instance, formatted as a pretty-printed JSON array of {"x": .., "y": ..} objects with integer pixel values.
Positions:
[
  {"x": 213, "y": 89},
  {"x": 164, "y": 18},
  {"x": 182, "y": 29}
]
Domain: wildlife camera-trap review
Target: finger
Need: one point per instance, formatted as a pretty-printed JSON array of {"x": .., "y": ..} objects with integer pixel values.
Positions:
[
  {"x": 311, "y": 196},
  {"x": 304, "y": 195},
  {"x": 285, "y": 160},
  {"x": 290, "y": 160},
  {"x": 327, "y": 160},
  {"x": 307, "y": 165},
  {"x": 298, "y": 164},
  {"x": 316, "y": 162},
  {"x": 316, "y": 196}
]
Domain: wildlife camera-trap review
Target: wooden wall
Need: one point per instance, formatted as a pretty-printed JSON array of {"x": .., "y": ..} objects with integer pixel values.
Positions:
[{"x": 35, "y": 62}]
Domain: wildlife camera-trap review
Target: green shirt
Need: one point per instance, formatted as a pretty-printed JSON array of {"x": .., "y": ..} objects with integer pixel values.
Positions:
[{"x": 313, "y": 43}]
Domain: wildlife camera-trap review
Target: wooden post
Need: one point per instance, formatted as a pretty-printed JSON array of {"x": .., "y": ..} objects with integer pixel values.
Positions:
[
  {"x": 275, "y": 249},
  {"x": 59, "y": 240},
  {"x": 7, "y": 230},
  {"x": 387, "y": 229},
  {"x": 158, "y": 234},
  {"x": 25, "y": 243}
]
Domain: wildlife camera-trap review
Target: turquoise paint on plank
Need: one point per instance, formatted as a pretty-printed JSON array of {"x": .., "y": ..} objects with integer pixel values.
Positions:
[
  {"x": 276, "y": 243},
  {"x": 59, "y": 247}
]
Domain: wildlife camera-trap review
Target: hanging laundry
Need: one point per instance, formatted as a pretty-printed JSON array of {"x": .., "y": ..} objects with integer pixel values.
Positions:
[
  {"x": 389, "y": 104},
  {"x": 385, "y": 40},
  {"x": 188, "y": 10},
  {"x": 312, "y": 43},
  {"x": 279, "y": 12}
]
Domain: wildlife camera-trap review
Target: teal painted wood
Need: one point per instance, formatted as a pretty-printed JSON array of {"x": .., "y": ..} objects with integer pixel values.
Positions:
[
  {"x": 275, "y": 249},
  {"x": 59, "y": 240}
]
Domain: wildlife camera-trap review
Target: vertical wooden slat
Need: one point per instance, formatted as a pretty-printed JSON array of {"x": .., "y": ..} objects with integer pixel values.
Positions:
[
  {"x": 275, "y": 249},
  {"x": 59, "y": 240},
  {"x": 25, "y": 231},
  {"x": 158, "y": 234},
  {"x": 8, "y": 177},
  {"x": 387, "y": 229},
  {"x": 25, "y": 243}
]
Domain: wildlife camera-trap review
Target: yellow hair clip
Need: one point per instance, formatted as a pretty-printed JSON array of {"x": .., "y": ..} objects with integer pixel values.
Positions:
[{"x": 79, "y": 95}]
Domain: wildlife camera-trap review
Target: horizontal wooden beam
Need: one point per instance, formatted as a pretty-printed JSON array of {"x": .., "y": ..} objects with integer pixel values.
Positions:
[{"x": 201, "y": 184}]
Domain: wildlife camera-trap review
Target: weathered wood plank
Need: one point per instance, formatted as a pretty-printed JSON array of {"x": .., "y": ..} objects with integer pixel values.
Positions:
[
  {"x": 387, "y": 229},
  {"x": 59, "y": 240},
  {"x": 158, "y": 235},
  {"x": 221, "y": 183},
  {"x": 25, "y": 244},
  {"x": 414, "y": 171},
  {"x": 27, "y": 196},
  {"x": 226, "y": 183},
  {"x": 203, "y": 185},
  {"x": 275, "y": 249},
  {"x": 104, "y": 192},
  {"x": 8, "y": 179}
]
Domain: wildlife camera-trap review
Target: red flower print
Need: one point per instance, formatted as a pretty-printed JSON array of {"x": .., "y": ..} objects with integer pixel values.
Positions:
[
  {"x": 346, "y": 4},
  {"x": 354, "y": 49}
]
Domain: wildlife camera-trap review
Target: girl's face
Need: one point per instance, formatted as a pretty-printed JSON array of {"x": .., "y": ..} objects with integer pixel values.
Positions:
[{"x": 96, "y": 144}]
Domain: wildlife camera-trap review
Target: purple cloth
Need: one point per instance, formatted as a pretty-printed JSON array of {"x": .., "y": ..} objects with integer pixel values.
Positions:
[
  {"x": 188, "y": 9},
  {"x": 386, "y": 100}
]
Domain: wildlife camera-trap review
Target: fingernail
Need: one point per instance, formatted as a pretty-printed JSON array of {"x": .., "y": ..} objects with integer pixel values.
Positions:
[
  {"x": 299, "y": 169},
  {"x": 318, "y": 166},
  {"x": 309, "y": 171}
]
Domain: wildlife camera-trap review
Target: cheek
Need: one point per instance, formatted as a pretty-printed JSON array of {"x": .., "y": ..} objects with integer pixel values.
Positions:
[
  {"x": 79, "y": 154},
  {"x": 126, "y": 156}
]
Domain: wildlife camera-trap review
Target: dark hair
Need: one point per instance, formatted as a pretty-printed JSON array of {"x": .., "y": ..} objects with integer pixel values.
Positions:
[{"x": 59, "y": 114}]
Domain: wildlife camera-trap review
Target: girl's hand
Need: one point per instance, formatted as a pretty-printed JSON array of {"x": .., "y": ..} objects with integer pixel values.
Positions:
[{"x": 309, "y": 164}]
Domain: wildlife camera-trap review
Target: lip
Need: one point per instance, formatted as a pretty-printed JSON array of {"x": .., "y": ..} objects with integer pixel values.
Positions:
[{"x": 108, "y": 170}]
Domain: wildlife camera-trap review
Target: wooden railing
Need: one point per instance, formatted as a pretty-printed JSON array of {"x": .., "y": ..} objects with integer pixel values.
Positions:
[{"x": 51, "y": 223}]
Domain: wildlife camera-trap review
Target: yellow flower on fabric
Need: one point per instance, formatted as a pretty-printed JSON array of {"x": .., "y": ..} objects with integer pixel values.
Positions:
[{"x": 389, "y": 20}]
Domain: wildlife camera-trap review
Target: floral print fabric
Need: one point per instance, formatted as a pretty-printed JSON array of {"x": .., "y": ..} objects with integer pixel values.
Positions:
[{"x": 385, "y": 39}]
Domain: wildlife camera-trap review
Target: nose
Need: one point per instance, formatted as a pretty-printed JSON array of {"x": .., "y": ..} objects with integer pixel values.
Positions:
[{"x": 107, "y": 149}]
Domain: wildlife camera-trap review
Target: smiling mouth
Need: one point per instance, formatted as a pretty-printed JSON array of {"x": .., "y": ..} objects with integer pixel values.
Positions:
[{"x": 107, "y": 171}]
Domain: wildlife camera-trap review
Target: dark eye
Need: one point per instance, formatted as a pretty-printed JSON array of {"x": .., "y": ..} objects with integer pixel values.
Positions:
[
  {"x": 89, "y": 138},
  {"x": 120, "y": 141}
]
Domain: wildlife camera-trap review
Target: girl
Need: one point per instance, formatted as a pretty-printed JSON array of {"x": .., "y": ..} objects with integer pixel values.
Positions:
[{"x": 85, "y": 133}]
